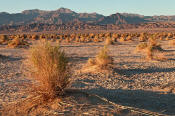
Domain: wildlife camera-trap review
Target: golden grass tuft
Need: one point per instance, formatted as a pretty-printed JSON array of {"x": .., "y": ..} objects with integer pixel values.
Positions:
[
  {"x": 172, "y": 42},
  {"x": 155, "y": 53},
  {"x": 102, "y": 62},
  {"x": 50, "y": 68},
  {"x": 18, "y": 43},
  {"x": 141, "y": 46},
  {"x": 152, "y": 50},
  {"x": 4, "y": 39},
  {"x": 103, "y": 59},
  {"x": 109, "y": 41}
]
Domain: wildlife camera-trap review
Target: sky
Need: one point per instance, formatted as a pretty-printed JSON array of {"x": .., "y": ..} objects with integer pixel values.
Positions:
[{"x": 105, "y": 7}]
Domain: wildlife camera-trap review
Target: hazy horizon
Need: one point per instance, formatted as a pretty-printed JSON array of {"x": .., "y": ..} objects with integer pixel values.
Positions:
[{"x": 142, "y": 7}]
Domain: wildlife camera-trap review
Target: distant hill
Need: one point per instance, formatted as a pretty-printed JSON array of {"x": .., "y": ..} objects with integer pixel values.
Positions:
[
  {"x": 59, "y": 16},
  {"x": 64, "y": 15},
  {"x": 63, "y": 18}
]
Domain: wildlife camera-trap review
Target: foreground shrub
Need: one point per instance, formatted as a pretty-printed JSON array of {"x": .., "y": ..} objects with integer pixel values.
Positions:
[
  {"x": 48, "y": 66},
  {"x": 51, "y": 70}
]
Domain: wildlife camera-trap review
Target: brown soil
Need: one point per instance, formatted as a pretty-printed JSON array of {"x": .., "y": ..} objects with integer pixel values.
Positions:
[{"x": 135, "y": 87}]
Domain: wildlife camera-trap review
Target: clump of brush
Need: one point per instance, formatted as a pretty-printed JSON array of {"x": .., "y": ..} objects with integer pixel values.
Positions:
[
  {"x": 151, "y": 49},
  {"x": 102, "y": 62},
  {"x": 50, "y": 73}
]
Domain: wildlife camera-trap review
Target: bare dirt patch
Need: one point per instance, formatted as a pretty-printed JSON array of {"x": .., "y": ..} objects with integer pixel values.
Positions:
[{"x": 134, "y": 83}]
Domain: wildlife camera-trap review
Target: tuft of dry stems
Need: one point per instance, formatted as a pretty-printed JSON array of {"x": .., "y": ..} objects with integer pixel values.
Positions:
[
  {"x": 172, "y": 42},
  {"x": 152, "y": 50},
  {"x": 102, "y": 61},
  {"x": 109, "y": 41},
  {"x": 50, "y": 69},
  {"x": 4, "y": 39},
  {"x": 17, "y": 42}
]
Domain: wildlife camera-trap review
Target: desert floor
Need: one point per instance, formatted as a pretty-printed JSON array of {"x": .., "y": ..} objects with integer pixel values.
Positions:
[{"x": 135, "y": 87}]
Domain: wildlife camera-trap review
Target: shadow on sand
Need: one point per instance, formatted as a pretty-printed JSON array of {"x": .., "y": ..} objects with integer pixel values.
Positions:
[
  {"x": 148, "y": 100},
  {"x": 9, "y": 58},
  {"x": 130, "y": 72}
]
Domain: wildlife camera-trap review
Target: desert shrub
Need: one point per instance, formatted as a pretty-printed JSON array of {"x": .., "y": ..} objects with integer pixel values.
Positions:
[
  {"x": 154, "y": 45},
  {"x": 142, "y": 39},
  {"x": 91, "y": 62},
  {"x": 129, "y": 38},
  {"x": 122, "y": 39},
  {"x": 50, "y": 69},
  {"x": 109, "y": 41},
  {"x": 77, "y": 39},
  {"x": 102, "y": 62},
  {"x": 155, "y": 53},
  {"x": 82, "y": 39},
  {"x": 4, "y": 39},
  {"x": 35, "y": 37},
  {"x": 68, "y": 40},
  {"x": 152, "y": 50},
  {"x": 103, "y": 59},
  {"x": 18, "y": 42},
  {"x": 96, "y": 39},
  {"x": 172, "y": 42},
  {"x": 141, "y": 46}
]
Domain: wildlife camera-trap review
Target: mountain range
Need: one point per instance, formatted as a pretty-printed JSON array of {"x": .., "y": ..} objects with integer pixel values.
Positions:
[
  {"x": 64, "y": 15},
  {"x": 65, "y": 19}
]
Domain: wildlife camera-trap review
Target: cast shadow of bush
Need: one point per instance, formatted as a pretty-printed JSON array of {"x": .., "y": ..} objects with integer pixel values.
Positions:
[
  {"x": 148, "y": 100},
  {"x": 130, "y": 72}
]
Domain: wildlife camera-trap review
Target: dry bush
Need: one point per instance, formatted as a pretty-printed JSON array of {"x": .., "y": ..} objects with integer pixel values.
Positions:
[
  {"x": 122, "y": 39},
  {"x": 50, "y": 69},
  {"x": 129, "y": 38},
  {"x": 96, "y": 39},
  {"x": 151, "y": 49},
  {"x": 4, "y": 39},
  {"x": 91, "y": 62},
  {"x": 172, "y": 42},
  {"x": 141, "y": 46},
  {"x": 18, "y": 42},
  {"x": 35, "y": 37},
  {"x": 48, "y": 66},
  {"x": 155, "y": 53},
  {"x": 103, "y": 59},
  {"x": 102, "y": 62},
  {"x": 109, "y": 41}
]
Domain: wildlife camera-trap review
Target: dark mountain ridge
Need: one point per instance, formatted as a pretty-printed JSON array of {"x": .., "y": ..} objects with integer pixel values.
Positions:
[{"x": 64, "y": 15}]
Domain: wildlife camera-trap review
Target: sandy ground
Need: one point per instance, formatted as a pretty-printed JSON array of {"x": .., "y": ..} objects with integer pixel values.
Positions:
[{"x": 134, "y": 83}]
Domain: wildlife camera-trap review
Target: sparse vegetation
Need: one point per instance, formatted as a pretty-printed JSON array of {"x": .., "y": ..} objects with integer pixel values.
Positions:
[
  {"x": 151, "y": 49},
  {"x": 100, "y": 63},
  {"x": 50, "y": 72},
  {"x": 109, "y": 41},
  {"x": 50, "y": 69},
  {"x": 172, "y": 42},
  {"x": 4, "y": 39},
  {"x": 18, "y": 42},
  {"x": 141, "y": 46}
]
